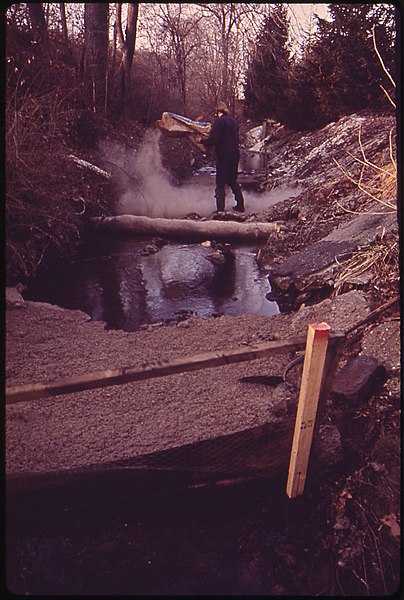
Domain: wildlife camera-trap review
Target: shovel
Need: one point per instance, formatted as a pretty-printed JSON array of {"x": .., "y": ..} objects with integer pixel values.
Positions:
[{"x": 273, "y": 379}]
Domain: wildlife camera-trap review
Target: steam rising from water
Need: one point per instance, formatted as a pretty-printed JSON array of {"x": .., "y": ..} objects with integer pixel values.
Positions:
[{"x": 146, "y": 188}]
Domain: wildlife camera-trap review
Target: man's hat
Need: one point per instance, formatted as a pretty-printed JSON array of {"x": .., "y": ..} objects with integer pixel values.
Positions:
[{"x": 222, "y": 107}]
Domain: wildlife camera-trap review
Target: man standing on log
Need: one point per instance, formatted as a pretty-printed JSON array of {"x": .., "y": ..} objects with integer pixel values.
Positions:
[{"x": 224, "y": 136}]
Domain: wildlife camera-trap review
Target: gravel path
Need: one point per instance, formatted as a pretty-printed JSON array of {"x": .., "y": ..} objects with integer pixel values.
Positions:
[{"x": 45, "y": 342}]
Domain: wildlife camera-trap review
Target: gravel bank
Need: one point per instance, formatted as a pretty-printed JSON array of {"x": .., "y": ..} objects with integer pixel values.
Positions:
[{"x": 45, "y": 342}]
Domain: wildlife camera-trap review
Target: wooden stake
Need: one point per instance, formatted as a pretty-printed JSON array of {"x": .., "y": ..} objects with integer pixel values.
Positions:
[{"x": 313, "y": 368}]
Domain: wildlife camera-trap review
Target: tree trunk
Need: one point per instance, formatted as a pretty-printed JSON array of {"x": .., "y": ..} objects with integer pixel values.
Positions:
[
  {"x": 38, "y": 23},
  {"x": 186, "y": 228},
  {"x": 133, "y": 12},
  {"x": 63, "y": 22},
  {"x": 127, "y": 46},
  {"x": 225, "y": 64},
  {"x": 96, "y": 51}
]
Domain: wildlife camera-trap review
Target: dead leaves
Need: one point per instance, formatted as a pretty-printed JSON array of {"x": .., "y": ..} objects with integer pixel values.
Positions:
[{"x": 391, "y": 522}]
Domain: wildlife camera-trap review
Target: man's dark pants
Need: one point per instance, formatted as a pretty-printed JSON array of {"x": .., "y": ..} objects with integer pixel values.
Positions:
[{"x": 226, "y": 174}]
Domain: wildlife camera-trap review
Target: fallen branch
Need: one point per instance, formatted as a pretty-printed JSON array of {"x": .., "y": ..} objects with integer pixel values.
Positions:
[
  {"x": 374, "y": 313},
  {"x": 87, "y": 165}
]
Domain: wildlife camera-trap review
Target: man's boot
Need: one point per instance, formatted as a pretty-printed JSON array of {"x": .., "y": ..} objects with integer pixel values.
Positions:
[
  {"x": 239, "y": 198},
  {"x": 220, "y": 195}
]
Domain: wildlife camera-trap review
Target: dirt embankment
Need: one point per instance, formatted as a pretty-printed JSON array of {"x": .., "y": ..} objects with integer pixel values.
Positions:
[{"x": 341, "y": 537}]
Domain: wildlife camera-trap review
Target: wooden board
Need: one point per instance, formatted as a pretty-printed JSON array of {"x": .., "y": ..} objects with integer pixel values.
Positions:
[{"x": 107, "y": 378}]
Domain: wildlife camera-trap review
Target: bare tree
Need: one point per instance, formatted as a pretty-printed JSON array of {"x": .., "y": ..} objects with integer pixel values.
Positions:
[
  {"x": 206, "y": 46},
  {"x": 127, "y": 46},
  {"x": 232, "y": 26},
  {"x": 63, "y": 22},
  {"x": 96, "y": 51},
  {"x": 175, "y": 39},
  {"x": 38, "y": 22},
  {"x": 181, "y": 31}
]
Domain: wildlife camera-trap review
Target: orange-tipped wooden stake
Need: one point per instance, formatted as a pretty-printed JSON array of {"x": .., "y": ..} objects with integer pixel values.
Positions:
[{"x": 313, "y": 369}]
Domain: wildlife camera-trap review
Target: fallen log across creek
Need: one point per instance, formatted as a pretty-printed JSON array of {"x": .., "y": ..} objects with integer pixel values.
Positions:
[{"x": 132, "y": 224}]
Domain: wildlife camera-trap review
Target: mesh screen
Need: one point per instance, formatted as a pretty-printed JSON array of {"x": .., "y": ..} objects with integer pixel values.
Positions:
[{"x": 259, "y": 451}]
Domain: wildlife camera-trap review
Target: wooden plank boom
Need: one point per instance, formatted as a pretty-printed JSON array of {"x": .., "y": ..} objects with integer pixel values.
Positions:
[{"x": 124, "y": 375}]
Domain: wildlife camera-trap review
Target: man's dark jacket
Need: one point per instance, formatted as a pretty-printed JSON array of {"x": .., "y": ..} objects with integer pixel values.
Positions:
[{"x": 225, "y": 138}]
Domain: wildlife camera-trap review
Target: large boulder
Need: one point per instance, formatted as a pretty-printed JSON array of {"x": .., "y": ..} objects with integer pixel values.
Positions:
[{"x": 358, "y": 380}]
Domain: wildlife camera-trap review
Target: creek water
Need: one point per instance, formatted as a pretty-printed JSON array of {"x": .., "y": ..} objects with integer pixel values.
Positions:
[{"x": 121, "y": 283}]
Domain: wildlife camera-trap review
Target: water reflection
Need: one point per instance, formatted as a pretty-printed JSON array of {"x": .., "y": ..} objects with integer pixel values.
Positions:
[
  {"x": 116, "y": 281},
  {"x": 223, "y": 283},
  {"x": 180, "y": 279},
  {"x": 252, "y": 161},
  {"x": 123, "y": 294}
]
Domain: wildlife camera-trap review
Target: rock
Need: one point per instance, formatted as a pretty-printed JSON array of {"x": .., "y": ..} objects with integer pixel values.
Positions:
[
  {"x": 358, "y": 379},
  {"x": 360, "y": 280},
  {"x": 151, "y": 249},
  {"x": 217, "y": 257},
  {"x": 328, "y": 450},
  {"x": 222, "y": 254},
  {"x": 309, "y": 158},
  {"x": 254, "y": 135},
  {"x": 341, "y": 312},
  {"x": 14, "y": 298},
  {"x": 383, "y": 342}
]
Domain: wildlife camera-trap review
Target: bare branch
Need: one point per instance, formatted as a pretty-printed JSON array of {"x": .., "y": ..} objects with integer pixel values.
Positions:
[
  {"x": 380, "y": 58},
  {"x": 388, "y": 97}
]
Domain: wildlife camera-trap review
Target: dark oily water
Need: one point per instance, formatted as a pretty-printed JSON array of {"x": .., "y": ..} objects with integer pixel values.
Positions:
[{"x": 122, "y": 283}]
